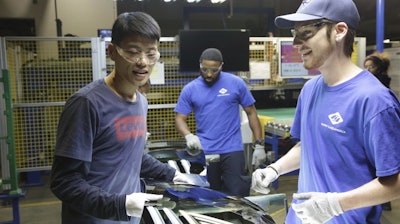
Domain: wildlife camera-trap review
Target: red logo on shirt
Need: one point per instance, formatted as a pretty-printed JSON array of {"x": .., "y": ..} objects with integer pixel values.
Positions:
[{"x": 130, "y": 127}]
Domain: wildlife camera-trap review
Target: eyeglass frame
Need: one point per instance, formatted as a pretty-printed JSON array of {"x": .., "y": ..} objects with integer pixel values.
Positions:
[
  {"x": 212, "y": 70},
  {"x": 318, "y": 25},
  {"x": 136, "y": 59}
]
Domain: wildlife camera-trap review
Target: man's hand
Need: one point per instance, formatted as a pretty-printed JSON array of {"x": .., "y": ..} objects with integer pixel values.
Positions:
[
  {"x": 317, "y": 208},
  {"x": 261, "y": 178},
  {"x": 259, "y": 155},
  {"x": 193, "y": 142},
  {"x": 134, "y": 203}
]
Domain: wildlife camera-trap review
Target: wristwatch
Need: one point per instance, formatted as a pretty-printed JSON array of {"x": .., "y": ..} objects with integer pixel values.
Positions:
[{"x": 259, "y": 142}]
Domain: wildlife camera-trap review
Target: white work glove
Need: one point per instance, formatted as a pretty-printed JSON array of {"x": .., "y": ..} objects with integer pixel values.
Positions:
[
  {"x": 134, "y": 203},
  {"x": 173, "y": 164},
  {"x": 259, "y": 155},
  {"x": 261, "y": 178},
  {"x": 193, "y": 142},
  {"x": 181, "y": 178},
  {"x": 147, "y": 135},
  {"x": 317, "y": 208}
]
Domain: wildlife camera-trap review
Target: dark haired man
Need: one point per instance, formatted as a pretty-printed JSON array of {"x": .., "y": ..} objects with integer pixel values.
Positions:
[
  {"x": 215, "y": 97},
  {"x": 99, "y": 153}
]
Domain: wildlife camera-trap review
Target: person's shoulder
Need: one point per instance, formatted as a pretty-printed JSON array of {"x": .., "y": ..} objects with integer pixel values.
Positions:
[
  {"x": 317, "y": 79},
  {"x": 228, "y": 75},
  {"x": 371, "y": 89},
  {"x": 193, "y": 82},
  {"x": 366, "y": 78},
  {"x": 192, "y": 85},
  {"x": 91, "y": 86},
  {"x": 231, "y": 77},
  {"x": 89, "y": 92}
]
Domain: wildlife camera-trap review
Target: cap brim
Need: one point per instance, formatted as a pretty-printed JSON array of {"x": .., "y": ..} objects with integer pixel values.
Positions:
[{"x": 288, "y": 21}]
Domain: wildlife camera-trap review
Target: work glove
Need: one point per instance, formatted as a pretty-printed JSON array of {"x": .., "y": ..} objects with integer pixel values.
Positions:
[
  {"x": 261, "y": 178},
  {"x": 181, "y": 178},
  {"x": 193, "y": 142},
  {"x": 259, "y": 155},
  {"x": 317, "y": 208},
  {"x": 186, "y": 165},
  {"x": 173, "y": 164},
  {"x": 134, "y": 203},
  {"x": 147, "y": 135}
]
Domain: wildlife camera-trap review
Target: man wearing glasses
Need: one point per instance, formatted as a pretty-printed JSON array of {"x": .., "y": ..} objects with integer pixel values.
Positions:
[
  {"x": 347, "y": 123},
  {"x": 99, "y": 152},
  {"x": 215, "y": 97}
]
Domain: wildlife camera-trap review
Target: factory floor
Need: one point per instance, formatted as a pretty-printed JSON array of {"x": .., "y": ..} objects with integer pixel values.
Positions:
[{"x": 40, "y": 206}]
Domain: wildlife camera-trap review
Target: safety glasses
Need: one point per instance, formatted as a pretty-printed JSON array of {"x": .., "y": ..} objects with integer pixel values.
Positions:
[
  {"x": 212, "y": 70},
  {"x": 135, "y": 56},
  {"x": 307, "y": 31}
]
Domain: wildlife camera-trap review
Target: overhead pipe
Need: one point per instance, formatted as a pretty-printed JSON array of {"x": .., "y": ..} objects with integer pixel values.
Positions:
[{"x": 380, "y": 24}]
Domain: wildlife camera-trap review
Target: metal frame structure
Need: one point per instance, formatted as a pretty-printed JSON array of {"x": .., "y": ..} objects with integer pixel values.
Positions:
[{"x": 10, "y": 182}]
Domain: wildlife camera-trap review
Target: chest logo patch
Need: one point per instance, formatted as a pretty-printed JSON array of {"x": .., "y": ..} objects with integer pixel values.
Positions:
[
  {"x": 335, "y": 118},
  {"x": 223, "y": 92}
]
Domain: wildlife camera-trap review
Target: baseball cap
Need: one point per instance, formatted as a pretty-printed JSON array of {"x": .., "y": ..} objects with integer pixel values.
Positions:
[
  {"x": 212, "y": 54},
  {"x": 334, "y": 10}
]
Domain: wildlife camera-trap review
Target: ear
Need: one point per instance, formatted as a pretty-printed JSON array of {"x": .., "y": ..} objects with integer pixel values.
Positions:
[
  {"x": 112, "y": 51},
  {"x": 341, "y": 29}
]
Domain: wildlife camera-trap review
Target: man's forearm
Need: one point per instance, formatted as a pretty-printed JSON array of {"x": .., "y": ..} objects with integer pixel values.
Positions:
[{"x": 181, "y": 125}]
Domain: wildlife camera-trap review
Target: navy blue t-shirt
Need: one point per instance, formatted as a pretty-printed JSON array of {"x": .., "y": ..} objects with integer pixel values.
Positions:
[{"x": 98, "y": 155}]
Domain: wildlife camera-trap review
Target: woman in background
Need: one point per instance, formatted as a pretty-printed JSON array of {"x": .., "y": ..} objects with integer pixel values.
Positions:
[{"x": 378, "y": 65}]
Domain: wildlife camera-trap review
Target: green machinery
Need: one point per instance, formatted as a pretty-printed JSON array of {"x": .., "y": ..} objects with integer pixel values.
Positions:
[{"x": 13, "y": 192}]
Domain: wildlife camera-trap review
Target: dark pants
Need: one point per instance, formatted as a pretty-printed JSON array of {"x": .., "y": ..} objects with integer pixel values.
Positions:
[{"x": 229, "y": 175}]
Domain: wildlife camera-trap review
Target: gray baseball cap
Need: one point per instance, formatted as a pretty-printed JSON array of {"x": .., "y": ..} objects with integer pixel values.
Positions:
[{"x": 334, "y": 10}]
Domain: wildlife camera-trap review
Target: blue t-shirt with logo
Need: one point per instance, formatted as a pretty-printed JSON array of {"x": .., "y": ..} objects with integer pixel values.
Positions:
[
  {"x": 349, "y": 136},
  {"x": 216, "y": 111}
]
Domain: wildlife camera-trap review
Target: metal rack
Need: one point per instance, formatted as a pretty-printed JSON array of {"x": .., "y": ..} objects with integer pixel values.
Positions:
[{"x": 10, "y": 189}]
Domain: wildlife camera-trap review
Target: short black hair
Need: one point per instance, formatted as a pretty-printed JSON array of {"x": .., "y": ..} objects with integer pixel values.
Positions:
[
  {"x": 135, "y": 23},
  {"x": 211, "y": 54}
]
